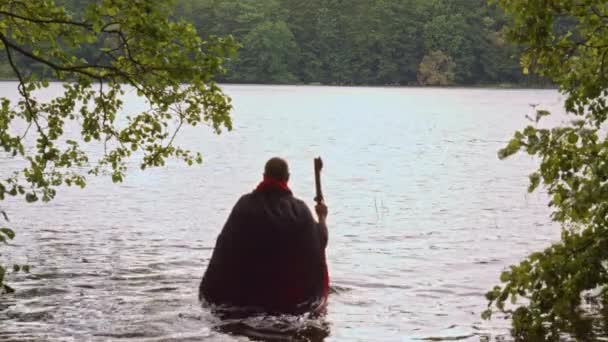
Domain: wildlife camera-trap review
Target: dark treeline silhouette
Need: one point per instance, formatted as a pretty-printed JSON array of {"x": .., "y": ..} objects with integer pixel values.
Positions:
[
  {"x": 379, "y": 42},
  {"x": 356, "y": 42}
]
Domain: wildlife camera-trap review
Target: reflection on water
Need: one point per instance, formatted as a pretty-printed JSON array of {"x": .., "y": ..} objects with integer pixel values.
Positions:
[{"x": 423, "y": 217}]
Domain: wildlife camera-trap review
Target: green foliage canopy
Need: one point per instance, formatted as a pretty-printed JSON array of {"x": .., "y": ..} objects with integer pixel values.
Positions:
[
  {"x": 268, "y": 51},
  {"x": 358, "y": 41},
  {"x": 347, "y": 41},
  {"x": 567, "y": 42},
  {"x": 436, "y": 69},
  {"x": 98, "y": 52}
]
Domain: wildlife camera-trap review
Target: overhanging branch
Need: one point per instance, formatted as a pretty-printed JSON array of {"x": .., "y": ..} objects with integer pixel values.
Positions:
[
  {"x": 23, "y": 92},
  {"x": 46, "y": 21}
]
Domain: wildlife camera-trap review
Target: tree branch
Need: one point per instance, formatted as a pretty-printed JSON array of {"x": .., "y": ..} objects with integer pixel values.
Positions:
[
  {"x": 27, "y": 129},
  {"x": 181, "y": 123},
  {"x": 47, "y": 21},
  {"x": 603, "y": 64},
  {"x": 75, "y": 68},
  {"x": 80, "y": 69},
  {"x": 23, "y": 91},
  {"x": 597, "y": 12},
  {"x": 26, "y": 53}
]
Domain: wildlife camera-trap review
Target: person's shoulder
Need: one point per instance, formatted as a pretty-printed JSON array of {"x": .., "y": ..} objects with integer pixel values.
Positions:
[
  {"x": 244, "y": 199},
  {"x": 247, "y": 196},
  {"x": 294, "y": 199},
  {"x": 299, "y": 203},
  {"x": 302, "y": 211}
]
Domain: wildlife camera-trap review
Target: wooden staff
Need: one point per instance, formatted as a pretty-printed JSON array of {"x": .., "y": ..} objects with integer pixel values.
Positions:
[{"x": 318, "y": 167}]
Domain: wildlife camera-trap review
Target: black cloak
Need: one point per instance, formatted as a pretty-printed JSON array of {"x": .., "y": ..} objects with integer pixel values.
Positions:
[{"x": 269, "y": 257}]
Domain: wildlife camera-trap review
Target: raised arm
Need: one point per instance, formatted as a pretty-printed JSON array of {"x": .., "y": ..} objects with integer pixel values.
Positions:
[{"x": 322, "y": 211}]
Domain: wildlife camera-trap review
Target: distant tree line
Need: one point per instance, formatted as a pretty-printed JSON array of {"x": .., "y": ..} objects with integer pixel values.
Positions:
[
  {"x": 380, "y": 42},
  {"x": 355, "y": 42}
]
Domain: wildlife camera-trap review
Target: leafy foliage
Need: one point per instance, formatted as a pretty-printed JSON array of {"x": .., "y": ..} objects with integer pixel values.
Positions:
[
  {"x": 269, "y": 50},
  {"x": 7, "y": 234},
  {"x": 353, "y": 41},
  {"x": 567, "y": 42},
  {"x": 360, "y": 41},
  {"x": 436, "y": 69},
  {"x": 100, "y": 51}
]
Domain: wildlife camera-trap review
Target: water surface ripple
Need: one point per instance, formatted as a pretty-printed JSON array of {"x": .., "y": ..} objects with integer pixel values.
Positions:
[{"x": 423, "y": 218}]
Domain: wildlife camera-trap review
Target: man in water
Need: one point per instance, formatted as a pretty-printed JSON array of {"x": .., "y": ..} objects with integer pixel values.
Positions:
[{"x": 270, "y": 255}]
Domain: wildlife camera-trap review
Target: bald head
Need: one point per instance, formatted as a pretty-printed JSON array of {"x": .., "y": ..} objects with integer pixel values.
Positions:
[{"x": 277, "y": 168}]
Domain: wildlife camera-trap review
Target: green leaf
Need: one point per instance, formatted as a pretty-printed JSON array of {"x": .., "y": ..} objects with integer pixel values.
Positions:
[
  {"x": 513, "y": 146},
  {"x": 541, "y": 113},
  {"x": 534, "y": 181},
  {"x": 8, "y": 232},
  {"x": 117, "y": 178},
  {"x": 31, "y": 197}
]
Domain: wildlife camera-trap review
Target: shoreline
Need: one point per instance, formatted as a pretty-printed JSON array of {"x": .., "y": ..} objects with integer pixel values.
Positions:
[
  {"x": 461, "y": 86},
  {"x": 500, "y": 86}
]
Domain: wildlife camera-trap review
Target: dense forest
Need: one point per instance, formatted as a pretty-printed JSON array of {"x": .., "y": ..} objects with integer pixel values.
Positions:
[
  {"x": 355, "y": 42},
  {"x": 388, "y": 42}
]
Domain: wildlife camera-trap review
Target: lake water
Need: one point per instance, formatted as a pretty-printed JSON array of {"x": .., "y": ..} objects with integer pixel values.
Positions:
[{"x": 423, "y": 218}]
